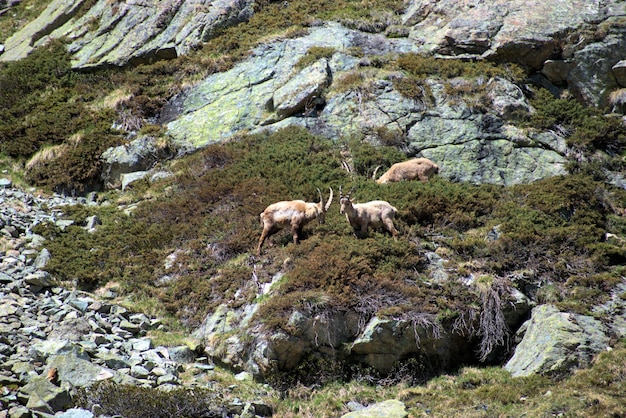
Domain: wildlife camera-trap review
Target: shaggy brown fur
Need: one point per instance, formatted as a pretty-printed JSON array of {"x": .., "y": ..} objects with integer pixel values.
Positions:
[
  {"x": 417, "y": 168},
  {"x": 294, "y": 214}
]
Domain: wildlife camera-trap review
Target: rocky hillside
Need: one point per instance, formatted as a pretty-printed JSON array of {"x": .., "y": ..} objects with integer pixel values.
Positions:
[{"x": 186, "y": 119}]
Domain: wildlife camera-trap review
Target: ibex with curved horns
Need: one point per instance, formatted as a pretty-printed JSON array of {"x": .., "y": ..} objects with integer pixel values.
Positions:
[
  {"x": 417, "y": 168},
  {"x": 293, "y": 213},
  {"x": 361, "y": 216}
]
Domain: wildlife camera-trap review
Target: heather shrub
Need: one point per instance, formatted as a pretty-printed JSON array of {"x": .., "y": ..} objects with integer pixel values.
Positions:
[
  {"x": 421, "y": 67},
  {"x": 210, "y": 211},
  {"x": 585, "y": 128},
  {"x": 365, "y": 157},
  {"x": 368, "y": 276},
  {"x": 44, "y": 104},
  {"x": 132, "y": 401}
]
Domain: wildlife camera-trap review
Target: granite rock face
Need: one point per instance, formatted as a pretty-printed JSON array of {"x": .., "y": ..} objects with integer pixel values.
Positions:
[
  {"x": 574, "y": 45},
  {"x": 127, "y": 32}
]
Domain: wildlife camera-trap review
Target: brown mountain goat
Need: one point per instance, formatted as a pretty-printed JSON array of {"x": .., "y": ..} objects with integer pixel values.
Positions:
[
  {"x": 417, "y": 168},
  {"x": 293, "y": 213},
  {"x": 361, "y": 216}
]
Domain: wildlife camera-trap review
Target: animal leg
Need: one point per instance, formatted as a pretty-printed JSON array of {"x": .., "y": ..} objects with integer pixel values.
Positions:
[
  {"x": 264, "y": 235},
  {"x": 267, "y": 232},
  {"x": 296, "y": 231},
  {"x": 391, "y": 228},
  {"x": 363, "y": 232}
]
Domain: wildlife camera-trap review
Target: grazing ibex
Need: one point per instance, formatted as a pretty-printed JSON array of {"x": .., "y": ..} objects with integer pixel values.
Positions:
[
  {"x": 293, "y": 213},
  {"x": 376, "y": 214},
  {"x": 417, "y": 168}
]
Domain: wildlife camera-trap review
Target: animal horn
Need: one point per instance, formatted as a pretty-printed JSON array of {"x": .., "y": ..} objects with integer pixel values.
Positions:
[
  {"x": 375, "y": 171},
  {"x": 330, "y": 199},
  {"x": 321, "y": 197}
]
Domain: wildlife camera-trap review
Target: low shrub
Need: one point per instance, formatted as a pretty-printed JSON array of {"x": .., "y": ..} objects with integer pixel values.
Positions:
[
  {"x": 585, "y": 128},
  {"x": 421, "y": 67},
  {"x": 132, "y": 401}
]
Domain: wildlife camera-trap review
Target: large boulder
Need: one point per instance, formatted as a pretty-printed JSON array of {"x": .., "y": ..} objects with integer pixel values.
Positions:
[
  {"x": 44, "y": 396},
  {"x": 384, "y": 342},
  {"x": 554, "y": 343},
  {"x": 58, "y": 13},
  {"x": 508, "y": 31},
  {"x": 389, "y": 409},
  {"x": 136, "y": 156},
  {"x": 575, "y": 41},
  {"x": 234, "y": 338},
  {"x": 245, "y": 97},
  {"x": 592, "y": 78},
  {"x": 302, "y": 89}
]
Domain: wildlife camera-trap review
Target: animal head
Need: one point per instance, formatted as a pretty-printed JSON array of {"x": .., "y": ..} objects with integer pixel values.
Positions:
[{"x": 344, "y": 201}]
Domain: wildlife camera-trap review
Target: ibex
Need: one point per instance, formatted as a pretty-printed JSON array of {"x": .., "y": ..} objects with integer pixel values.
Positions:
[
  {"x": 417, "y": 168},
  {"x": 294, "y": 213},
  {"x": 376, "y": 214}
]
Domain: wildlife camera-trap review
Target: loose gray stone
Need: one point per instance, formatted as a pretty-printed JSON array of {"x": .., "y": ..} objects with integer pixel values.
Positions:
[
  {"x": 75, "y": 413},
  {"x": 42, "y": 259},
  {"x": 389, "y": 409},
  {"x": 39, "y": 278}
]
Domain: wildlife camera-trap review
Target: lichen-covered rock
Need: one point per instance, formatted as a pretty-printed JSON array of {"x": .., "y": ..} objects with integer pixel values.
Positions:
[
  {"x": 477, "y": 147},
  {"x": 591, "y": 80},
  {"x": 304, "y": 87},
  {"x": 387, "y": 409},
  {"x": 54, "y": 16},
  {"x": 556, "y": 342},
  {"x": 78, "y": 371},
  {"x": 614, "y": 310},
  {"x": 242, "y": 98},
  {"x": 137, "y": 156},
  {"x": 44, "y": 396},
  {"x": 513, "y": 31},
  {"x": 127, "y": 32},
  {"x": 481, "y": 144}
]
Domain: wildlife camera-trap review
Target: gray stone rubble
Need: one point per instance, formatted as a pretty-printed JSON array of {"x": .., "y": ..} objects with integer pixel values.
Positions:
[{"x": 53, "y": 339}]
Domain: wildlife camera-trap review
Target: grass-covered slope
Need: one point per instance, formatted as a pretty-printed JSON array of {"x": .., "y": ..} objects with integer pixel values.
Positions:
[
  {"x": 206, "y": 217},
  {"x": 186, "y": 244},
  {"x": 551, "y": 239}
]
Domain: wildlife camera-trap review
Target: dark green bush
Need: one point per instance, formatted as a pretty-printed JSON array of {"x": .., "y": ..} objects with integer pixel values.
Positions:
[
  {"x": 44, "y": 103},
  {"x": 586, "y": 128},
  {"x": 365, "y": 157}
]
